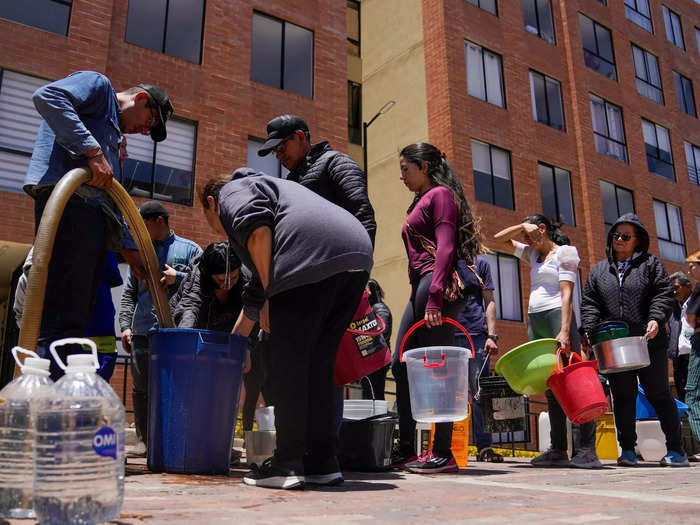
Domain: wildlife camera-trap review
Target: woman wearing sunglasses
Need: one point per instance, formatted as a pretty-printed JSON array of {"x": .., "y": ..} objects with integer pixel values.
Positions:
[
  {"x": 551, "y": 313},
  {"x": 631, "y": 285}
]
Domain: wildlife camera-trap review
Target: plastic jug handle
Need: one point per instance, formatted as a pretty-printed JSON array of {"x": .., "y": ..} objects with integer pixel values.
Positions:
[
  {"x": 444, "y": 320},
  {"x": 71, "y": 341},
  {"x": 19, "y": 349}
]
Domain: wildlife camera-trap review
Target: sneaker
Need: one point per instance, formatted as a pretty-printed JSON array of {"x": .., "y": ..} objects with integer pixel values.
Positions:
[
  {"x": 551, "y": 458},
  {"x": 432, "y": 464},
  {"x": 137, "y": 451},
  {"x": 585, "y": 458},
  {"x": 400, "y": 456},
  {"x": 674, "y": 459},
  {"x": 627, "y": 459},
  {"x": 273, "y": 476},
  {"x": 325, "y": 473}
]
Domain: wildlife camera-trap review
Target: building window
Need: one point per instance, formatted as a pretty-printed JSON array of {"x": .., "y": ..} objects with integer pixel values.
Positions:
[
  {"x": 658, "y": 147},
  {"x": 616, "y": 202},
  {"x": 669, "y": 230},
  {"x": 646, "y": 72},
  {"x": 546, "y": 100},
  {"x": 597, "y": 47},
  {"x": 19, "y": 123},
  {"x": 555, "y": 186},
  {"x": 684, "y": 93},
  {"x": 354, "y": 112},
  {"x": 162, "y": 170},
  {"x": 608, "y": 129},
  {"x": 697, "y": 227},
  {"x": 638, "y": 12},
  {"x": 485, "y": 74},
  {"x": 352, "y": 15},
  {"x": 282, "y": 55},
  {"x": 674, "y": 30},
  {"x": 49, "y": 15},
  {"x": 505, "y": 271},
  {"x": 697, "y": 38},
  {"x": 492, "y": 175},
  {"x": 538, "y": 19},
  {"x": 486, "y": 5},
  {"x": 692, "y": 157},
  {"x": 173, "y": 27},
  {"x": 604, "y": 2},
  {"x": 269, "y": 164}
]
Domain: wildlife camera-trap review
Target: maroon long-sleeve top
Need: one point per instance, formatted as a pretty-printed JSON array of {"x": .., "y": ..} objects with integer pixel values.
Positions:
[{"x": 429, "y": 235}]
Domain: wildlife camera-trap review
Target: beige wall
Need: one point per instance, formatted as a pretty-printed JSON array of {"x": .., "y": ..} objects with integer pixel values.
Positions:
[{"x": 393, "y": 68}]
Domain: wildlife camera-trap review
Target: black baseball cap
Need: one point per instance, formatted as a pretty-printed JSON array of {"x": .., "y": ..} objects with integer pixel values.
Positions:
[
  {"x": 164, "y": 107},
  {"x": 152, "y": 209},
  {"x": 279, "y": 128}
]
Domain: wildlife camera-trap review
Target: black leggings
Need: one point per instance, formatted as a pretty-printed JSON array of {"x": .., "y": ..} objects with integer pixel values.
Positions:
[{"x": 441, "y": 335}]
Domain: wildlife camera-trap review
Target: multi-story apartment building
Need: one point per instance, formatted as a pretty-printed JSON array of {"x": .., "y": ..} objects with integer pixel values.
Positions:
[{"x": 581, "y": 109}]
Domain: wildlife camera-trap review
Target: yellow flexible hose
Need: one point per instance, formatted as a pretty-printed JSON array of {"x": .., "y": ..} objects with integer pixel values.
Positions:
[{"x": 43, "y": 248}]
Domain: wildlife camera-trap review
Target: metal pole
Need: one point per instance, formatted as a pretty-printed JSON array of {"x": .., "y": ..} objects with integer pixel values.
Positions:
[{"x": 364, "y": 146}]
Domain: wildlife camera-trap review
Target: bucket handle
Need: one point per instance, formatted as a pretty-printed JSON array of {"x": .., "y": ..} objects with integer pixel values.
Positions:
[
  {"x": 71, "y": 341},
  {"x": 444, "y": 320},
  {"x": 572, "y": 356},
  {"x": 19, "y": 349},
  {"x": 370, "y": 333}
]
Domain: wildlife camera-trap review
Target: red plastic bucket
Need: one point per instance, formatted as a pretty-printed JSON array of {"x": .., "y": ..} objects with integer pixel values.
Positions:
[{"x": 578, "y": 389}]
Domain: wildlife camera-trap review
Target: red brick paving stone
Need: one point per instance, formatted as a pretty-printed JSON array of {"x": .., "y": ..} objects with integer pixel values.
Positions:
[{"x": 483, "y": 493}]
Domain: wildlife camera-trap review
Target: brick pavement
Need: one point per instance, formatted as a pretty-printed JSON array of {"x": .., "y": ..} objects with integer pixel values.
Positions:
[{"x": 481, "y": 493}]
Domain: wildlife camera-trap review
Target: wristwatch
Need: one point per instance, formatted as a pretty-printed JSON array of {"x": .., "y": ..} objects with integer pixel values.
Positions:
[{"x": 493, "y": 337}]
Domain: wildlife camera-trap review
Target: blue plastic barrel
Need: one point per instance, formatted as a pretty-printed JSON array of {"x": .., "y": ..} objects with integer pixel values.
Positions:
[{"x": 193, "y": 391}]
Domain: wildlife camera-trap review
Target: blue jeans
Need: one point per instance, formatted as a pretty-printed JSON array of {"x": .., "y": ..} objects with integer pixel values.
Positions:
[{"x": 482, "y": 439}]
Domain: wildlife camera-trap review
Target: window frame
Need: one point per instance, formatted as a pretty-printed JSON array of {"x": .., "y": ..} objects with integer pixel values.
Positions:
[
  {"x": 657, "y": 156},
  {"x": 635, "y": 9},
  {"x": 499, "y": 287},
  {"x": 539, "y": 25},
  {"x": 485, "y": 78},
  {"x": 282, "y": 54},
  {"x": 668, "y": 22},
  {"x": 68, "y": 3},
  {"x": 553, "y": 179},
  {"x": 606, "y": 103},
  {"x": 165, "y": 34},
  {"x": 355, "y": 4},
  {"x": 596, "y": 54},
  {"x": 647, "y": 81},
  {"x": 668, "y": 228},
  {"x": 492, "y": 176},
  {"x": 546, "y": 78},
  {"x": 152, "y": 190},
  {"x": 694, "y": 179},
  {"x": 477, "y": 4},
  {"x": 680, "y": 93},
  {"x": 281, "y": 170},
  {"x": 355, "y": 130},
  {"x": 616, "y": 189}
]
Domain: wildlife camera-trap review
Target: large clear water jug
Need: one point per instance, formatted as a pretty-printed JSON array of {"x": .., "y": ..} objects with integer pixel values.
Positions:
[
  {"x": 79, "y": 465},
  {"x": 18, "y": 401}
]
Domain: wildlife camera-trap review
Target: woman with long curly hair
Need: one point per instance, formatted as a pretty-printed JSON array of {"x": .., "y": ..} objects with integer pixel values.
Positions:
[{"x": 439, "y": 229}]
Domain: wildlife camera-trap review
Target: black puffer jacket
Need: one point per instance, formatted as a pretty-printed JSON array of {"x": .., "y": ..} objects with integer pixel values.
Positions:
[
  {"x": 646, "y": 293},
  {"x": 382, "y": 310},
  {"x": 337, "y": 178}
]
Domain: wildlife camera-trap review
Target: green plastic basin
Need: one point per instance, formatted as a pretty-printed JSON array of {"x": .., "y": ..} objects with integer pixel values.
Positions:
[{"x": 528, "y": 366}]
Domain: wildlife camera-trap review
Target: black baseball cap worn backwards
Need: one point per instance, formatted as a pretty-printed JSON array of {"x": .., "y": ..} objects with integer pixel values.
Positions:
[
  {"x": 164, "y": 108},
  {"x": 152, "y": 209},
  {"x": 279, "y": 128}
]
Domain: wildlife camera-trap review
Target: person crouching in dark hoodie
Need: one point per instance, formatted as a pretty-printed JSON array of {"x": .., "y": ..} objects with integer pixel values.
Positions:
[
  {"x": 309, "y": 260},
  {"x": 631, "y": 285}
]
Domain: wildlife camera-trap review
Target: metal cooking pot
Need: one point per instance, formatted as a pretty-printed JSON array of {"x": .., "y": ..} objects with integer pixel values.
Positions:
[{"x": 620, "y": 355}]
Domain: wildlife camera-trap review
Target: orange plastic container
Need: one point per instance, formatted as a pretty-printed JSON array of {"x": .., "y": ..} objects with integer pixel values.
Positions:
[{"x": 460, "y": 439}]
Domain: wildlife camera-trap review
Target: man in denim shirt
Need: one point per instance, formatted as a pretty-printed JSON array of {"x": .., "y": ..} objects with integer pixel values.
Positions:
[
  {"x": 136, "y": 314},
  {"x": 84, "y": 118}
]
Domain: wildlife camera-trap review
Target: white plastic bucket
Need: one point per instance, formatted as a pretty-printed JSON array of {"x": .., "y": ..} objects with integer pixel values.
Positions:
[
  {"x": 363, "y": 408},
  {"x": 438, "y": 378},
  {"x": 265, "y": 417}
]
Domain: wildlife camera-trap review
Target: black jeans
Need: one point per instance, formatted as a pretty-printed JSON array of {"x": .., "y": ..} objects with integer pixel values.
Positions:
[
  {"x": 654, "y": 380},
  {"x": 253, "y": 384},
  {"x": 306, "y": 325},
  {"x": 680, "y": 374},
  {"x": 140, "y": 359},
  {"x": 442, "y": 335},
  {"x": 77, "y": 264}
]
